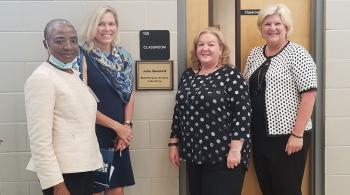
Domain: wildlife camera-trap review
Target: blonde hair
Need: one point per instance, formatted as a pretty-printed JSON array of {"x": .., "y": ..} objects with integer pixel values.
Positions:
[
  {"x": 92, "y": 24},
  {"x": 225, "y": 55},
  {"x": 280, "y": 9}
]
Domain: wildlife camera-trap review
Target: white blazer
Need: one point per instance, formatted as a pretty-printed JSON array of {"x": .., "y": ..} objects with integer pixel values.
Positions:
[{"x": 61, "y": 116}]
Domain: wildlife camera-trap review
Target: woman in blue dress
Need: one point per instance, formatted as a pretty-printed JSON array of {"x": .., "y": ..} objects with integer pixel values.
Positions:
[{"x": 107, "y": 69}]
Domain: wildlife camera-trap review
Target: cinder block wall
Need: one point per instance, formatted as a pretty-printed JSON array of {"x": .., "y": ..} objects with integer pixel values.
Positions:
[
  {"x": 22, "y": 23},
  {"x": 337, "y": 98}
]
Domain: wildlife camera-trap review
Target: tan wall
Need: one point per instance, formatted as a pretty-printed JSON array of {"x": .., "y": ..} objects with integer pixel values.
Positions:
[
  {"x": 149, "y": 151},
  {"x": 22, "y": 23},
  {"x": 337, "y": 96},
  {"x": 224, "y": 17}
]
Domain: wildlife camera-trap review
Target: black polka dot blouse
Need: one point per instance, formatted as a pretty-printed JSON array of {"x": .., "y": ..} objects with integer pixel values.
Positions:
[
  {"x": 210, "y": 111},
  {"x": 291, "y": 72}
]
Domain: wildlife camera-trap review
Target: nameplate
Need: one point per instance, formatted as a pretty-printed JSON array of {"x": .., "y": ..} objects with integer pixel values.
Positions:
[{"x": 154, "y": 75}]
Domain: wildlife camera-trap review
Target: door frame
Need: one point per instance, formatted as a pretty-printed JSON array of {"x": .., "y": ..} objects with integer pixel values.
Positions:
[{"x": 318, "y": 135}]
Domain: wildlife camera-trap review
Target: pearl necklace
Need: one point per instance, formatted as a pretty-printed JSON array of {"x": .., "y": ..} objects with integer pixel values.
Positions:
[{"x": 276, "y": 51}]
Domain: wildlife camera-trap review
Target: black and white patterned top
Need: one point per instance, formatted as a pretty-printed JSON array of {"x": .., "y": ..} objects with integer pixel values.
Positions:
[
  {"x": 210, "y": 111},
  {"x": 291, "y": 72}
]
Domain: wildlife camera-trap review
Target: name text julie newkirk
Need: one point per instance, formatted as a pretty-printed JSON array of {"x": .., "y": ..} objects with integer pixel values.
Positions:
[
  {"x": 154, "y": 71},
  {"x": 153, "y": 79}
]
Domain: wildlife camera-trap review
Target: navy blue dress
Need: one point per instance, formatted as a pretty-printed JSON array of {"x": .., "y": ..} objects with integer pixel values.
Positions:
[{"x": 112, "y": 106}]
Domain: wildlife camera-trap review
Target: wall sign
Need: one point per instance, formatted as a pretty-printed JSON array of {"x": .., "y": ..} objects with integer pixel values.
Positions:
[
  {"x": 154, "y": 45},
  {"x": 154, "y": 75},
  {"x": 250, "y": 11}
]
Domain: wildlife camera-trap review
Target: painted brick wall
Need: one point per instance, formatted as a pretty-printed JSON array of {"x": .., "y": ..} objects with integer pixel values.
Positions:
[
  {"x": 337, "y": 96},
  {"x": 22, "y": 23}
]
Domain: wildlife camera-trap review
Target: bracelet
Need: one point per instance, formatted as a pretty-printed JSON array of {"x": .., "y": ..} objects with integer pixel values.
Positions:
[
  {"x": 173, "y": 144},
  {"x": 297, "y": 136},
  {"x": 129, "y": 123}
]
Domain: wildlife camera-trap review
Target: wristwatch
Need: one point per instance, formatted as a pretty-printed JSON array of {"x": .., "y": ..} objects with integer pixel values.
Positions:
[{"x": 129, "y": 123}]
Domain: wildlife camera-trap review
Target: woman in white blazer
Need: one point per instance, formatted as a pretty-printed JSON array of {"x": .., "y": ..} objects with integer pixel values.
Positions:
[{"x": 61, "y": 115}]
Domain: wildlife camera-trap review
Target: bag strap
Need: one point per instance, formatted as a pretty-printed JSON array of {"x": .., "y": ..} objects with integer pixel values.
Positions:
[
  {"x": 82, "y": 65},
  {"x": 84, "y": 71}
]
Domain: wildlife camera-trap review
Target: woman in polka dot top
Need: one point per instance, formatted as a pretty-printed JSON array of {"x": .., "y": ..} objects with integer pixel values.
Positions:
[
  {"x": 211, "y": 121},
  {"x": 282, "y": 87}
]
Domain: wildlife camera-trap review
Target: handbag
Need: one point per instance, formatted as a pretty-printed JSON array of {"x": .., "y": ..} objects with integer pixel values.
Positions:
[{"x": 104, "y": 174}]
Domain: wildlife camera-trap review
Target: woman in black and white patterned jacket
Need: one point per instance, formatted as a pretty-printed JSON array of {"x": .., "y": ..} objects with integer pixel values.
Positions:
[{"x": 282, "y": 85}]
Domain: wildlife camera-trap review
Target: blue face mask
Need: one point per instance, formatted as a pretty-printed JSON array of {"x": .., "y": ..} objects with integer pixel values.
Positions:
[{"x": 59, "y": 64}]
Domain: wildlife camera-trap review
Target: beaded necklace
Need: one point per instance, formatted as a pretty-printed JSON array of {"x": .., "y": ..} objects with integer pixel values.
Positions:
[
  {"x": 266, "y": 64},
  {"x": 262, "y": 74}
]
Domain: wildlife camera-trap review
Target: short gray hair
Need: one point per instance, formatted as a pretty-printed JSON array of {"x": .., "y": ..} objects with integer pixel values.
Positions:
[{"x": 50, "y": 25}]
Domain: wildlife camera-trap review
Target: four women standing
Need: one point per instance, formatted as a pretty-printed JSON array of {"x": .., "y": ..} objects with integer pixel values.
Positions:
[{"x": 212, "y": 115}]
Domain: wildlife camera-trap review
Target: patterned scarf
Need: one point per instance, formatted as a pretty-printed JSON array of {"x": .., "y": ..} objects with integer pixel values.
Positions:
[{"x": 116, "y": 69}]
